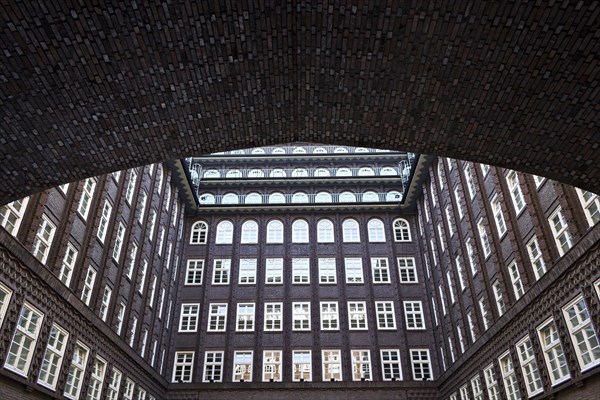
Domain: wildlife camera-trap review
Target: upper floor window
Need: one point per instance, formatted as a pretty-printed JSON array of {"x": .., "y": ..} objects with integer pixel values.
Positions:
[
  {"x": 350, "y": 231},
  {"x": 86, "y": 197},
  {"x": 321, "y": 172},
  {"x": 366, "y": 171},
  {"x": 233, "y": 173},
  {"x": 224, "y": 233},
  {"x": 160, "y": 178},
  {"x": 299, "y": 150},
  {"x": 212, "y": 173},
  {"x": 319, "y": 150},
  {"x": 43, "y": 239},
  {"x": 470, "y": 181},
  {"x": 554, "y": 355},
  {"x": 393, "y": 196},
  {"x": 24, "y": 340},
  {"x": 401, "y": 230},
  {"x": 387, "y": 171},
  {"x": 361, "y": 150},
  {"x": 249, "y": 232},
  {"x": 277, "y": 173},
  {"x": 275, "y": 232},
  {"x": 515, "y": 191},
  {"x": 340, "y": 150},
  {"x": 300, "y": 231},
  {"x": 300, "y": 198},
  {"x": 276, "y": 198},
  {"x": 256, "y": 173},
  {"x": 347, "y": 197},
  {"x": 370, "y": 197},
  {"x": 323, "y": 197},
  {"x": 299, "y": 173},
  {"x": 591, "y": 205},
  {"x": 376, "y": 230},
  {"x": 11, "y": 215},
  {"x": 253, "y": 198},
  {"x": 131, "y": 186},
  {"x": 560, "y": 231},
  {"x": 583, "y": 334},
  {"x": 207, "y": 198},
  {"x": 258, "y": 151},
  {"x": 278, "y": 150},
  {"x": 343, "y": 172},
  {"x": 535, "y": 256},
  {"x": 230, "y": 198},
  {"x": 325, "y": 231},
  {"x": 199, "y": 233}
]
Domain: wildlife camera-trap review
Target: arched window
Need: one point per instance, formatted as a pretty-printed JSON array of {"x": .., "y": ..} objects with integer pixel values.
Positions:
[
  {"x": 319, "y": 150},
  {"x": 393, "y": 196},
  {"x": 234, "y": 173},
  {"x": 370, "y": 197},
  {"x": 299, "y": 150},
  {"x": 258, "y": 151},
  {"x": 299, "y": 172},
  {"x": 230, "y": 198},
  {"x": 347, "y": 197},
  {"x": 300, "y": 231},
  {"x": 256, "y": 173},
  {"x": 253, "y": 198},
  {"x": 323, "y": 197},
  {"x": 343, "y": 172},
  {"x": 325, "y": 231},
  {"x": 366, "y": 171},
  {"x": 277, "y": 173},
  {"x": 320, "y": 172},
  {"x": 387, "y": 171},
  {"x": 199, "y": 233},
  {"x": 376, "y": 230},
  {"x": 361, "y": 150},
  {"x": 350, "y": 231},
  {"x": 275, "y": 232},
  {"x": 236, "y": 152},
  {"x": 300, "y": 197},
  {"x": 224, "y": 233},
  {"x": 212, "y": 173},
  {"x": 278, "y": 150},
  {"x": 249, "y": 232},
  {"x": 207, "y": 198},
  {"x": 401, "y": 230},
  {"x": 340, "y": 150},
  {"x": 276, "y": 198}
]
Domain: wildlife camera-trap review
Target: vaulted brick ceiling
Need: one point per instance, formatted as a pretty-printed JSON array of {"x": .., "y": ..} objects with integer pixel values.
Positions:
[{"x": 87, "y": 89}]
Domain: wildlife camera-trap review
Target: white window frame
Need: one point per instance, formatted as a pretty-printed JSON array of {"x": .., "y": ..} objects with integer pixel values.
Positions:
[
  {"x": 224, "y": 234},
  {"x": 560, "y": 231},
  {"x": 273, "y": 317},
  {"x": 249, "y": 234},
  {"x": 43, "y": 239},
  {"x": 361, "y": 365},
  {"x": 491, "y": 383},
  {"x": 301, "y": 365},
  {"x": 68, "y": 264},
  {"x": 498, "y": 296},
  {"x": 104, "y": 221},
  {"x": 96, "y": 379},
  {"x": 131, "y": 186},
  {"x": 275, "y": 232},
  {"x": 386, "y": 315},
  {"x": 590, "y": 202},
  {"x": 88, "y": 285},
  {"x": 213, "y": 366},
  {"x": 470, "y": 182},
  {"x": 325, "y": 231},
  {"x": 477, "y": 388},
  {"x": 300, "y": 231},
  {"x": 183, "y": 364},
  {"x": 12, "y": 214},
  {"x": 194, "y": 272},
  {"x": 536, "y": 258},
  {"x": 116, "y": 253},
  {"x": 274, "y": 271},
  {"x": 105, "y": 303},
  {"x": 247, "y": 271},
  {"x": 554, "y": 356},
  {"x": 331, "y": 365},
  {"x": 350, "y": 231},
  {"x": 330, "y": 318},
  {"x": 357, "y": 316},
  {"x": 300, "y": 271},
  {"x": 583, "y": 334},
  {"x": 380, "y": 270},
  {"x": 245, "y": 318},
  {"x": 221, "y": 271},
  {"x": 199, "y": 233},
  {"x": 301, "y": 319},
  {"x": 516, "y": 194},
  {"x": 376, "y": 231},
  {"x": 498, "y": 217},
  {"x": 485, "y": 242},
  {"x": 242, "y": 366},
  {"x": 529, "y": 367},
  {"x": 458, "y": 201},
  {"x": 53, "y": 357},
  {"x": 188, "y": 317},
  {"x": 509, "y": 377},
  {"x": 327, "y": 271},
  {"x": 87, "y": 195},
  {"x": 515, "y": 279},
  {"x": 353, "y": 270},
  {"x": 414, "y": 316},
  {"x": 391, "y": 366},
  {"x": 217, "y": 317},
  {"x": 402, "y": 230},
  {"x": 114, "y": 384},
  {"x": 129, "y": 388},
  {"x": 272, "y": 366},
  {"x": 77, "y": 369}
]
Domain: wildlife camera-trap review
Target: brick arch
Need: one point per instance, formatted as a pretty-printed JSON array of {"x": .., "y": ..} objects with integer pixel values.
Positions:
[{"x": 85, "y": 90}]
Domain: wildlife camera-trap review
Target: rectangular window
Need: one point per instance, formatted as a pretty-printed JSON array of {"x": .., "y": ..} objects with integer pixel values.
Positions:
[
  {"x": 386, "y": 318},
  {"x": 583, "y": 335},
  {"x": 144, "y": 341},
  {"x": 458, "y": 199},
  {"x": 485, "y": 243},
  {"x": 85, "y": 201},
  {"x": 471, "y": 327},
  {"x": 161, "y": 240},
  {"x": 515, "y": 191},
  {"x": 433, "y": 251},
  {"x": 451, "y": 347},
  {"x": 131, "y": 264},
  {"x": 332, "y": 365},
  {"x": 354, "y": 270},
  {"x": 556, "y": 362},
  {"x": 591, "y": 206},
  {"x": 88, "y": 285},
  {"x": 143, "y": 198},
  {"x": 194, "y": 272},
  {"x": 413, "y": 314},
  {"x": 271, "y": 366},
  {"x": 55, "y": 351},
  {"x": 380, "y": 270},
  {"x": 247, "y": 274},
  {"x": 68, "y": 264},
  {"x": 442, "y": 299},
  {"x": 407, "y": 270},
  {"x": 142, "y": 275},
  {"x": 515, "y": 279},
  {"x": 330, "y": 320},
  {"x": 361, "y": 365},
  {"x": 96, "y": 379},
  {"x": 162, "y": 303},
  {"x": 43, "y": 239},
  {"x": 498, "y": 216},
  {"x": 461, "y": 273},
  {"x": 450, "y": 287},
  {"x": 390, "y": 365},
  {"x": 120, "y": 317},
  {"x": 132, "y": 331},
  {"x": 118, "y": 242},
  {"x": 114, "y": 384},
  {"x": 213, "y": 366},
  {"x": 535, "y": 256},
  {"x": 461, "y": 340},
  {"x": 242, "y": 366},
  {"x": 245, "y": 317},
  {"x": 5, "y": 296},
  {"x": 435, "y": 315},
  {"x": 477, "y": 388},
  {"x": 500, "y": 304},
  {"x": 529, "y": 367},
  {"x": 188, "y": 319},
  {"x": 472, "y": 259},
  {"x": 470, "y": 182},
  {"x": 301, "y": 316},
  {"x": 327, "y": 271},
  {"x": 441, "y": 237},
  {"x": 273, "y": 316},
  {"x": 141, "y": 394},
  {"x": 274, "y": 271},
  {"x": 302, "y": 366},
  {"x": 560, "y": 231},
  {"x": 152, "y": 223},
  {"x": 300, "y": 271},
  {"x": 129, "y": 387},
  {"x": 357, "y": 314},
  {"x": 421, "y": 364},
  {"x": 449, "y": 221},
  {"x": 131, "y": 186},
  {"x": 491, "y": 383},
  {"x": 484, "y": 314},
  {"x": 217, "y": 318},
  {"x": 11, "y": 215},
  {"x": 105, "y": 303},
  {"x": 221, "y": 272},
  {"x": 76, "y": 371},
  {"x": 511, "y": 385},
  {"x": 104, "y": 221},
  {"x": 464, "y": 392}
]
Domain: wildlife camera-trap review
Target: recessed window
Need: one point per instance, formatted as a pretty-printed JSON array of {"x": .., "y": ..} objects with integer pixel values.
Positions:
[
  {"x": 380, "y": 270},
  {"x": 230, "y": 198},
  {"x": 346, "y": 197},
  {"x": 277, "y": 198},
  {"x": 273, "y": 317},
  {"x": 327, "y": 271},
  {"x": 582, "y": 332},
  {"x": 386, "y": 318},
  {"x": 300, "y": 271},
  {"x": 421, "y": 364},
  {"x": 274, "y": 271},
  {"x": 325, "y": 231},
  {"x": 515, "y": 191},
  {"x": 224, "y": 233},
  {"x": 330, "y": 319},
  {"x": 491, "y": 383},
  {"x": 393, "y": 196},
  {"x": 301, "y": 316},
  {"x": 560, "y": 231},
  {"x": 247, "y": 271},
  {"x": 407, "y": 270},
  {"x": 199, "y": 233},
  {"x": 217, "y": 318},
  {"x": 302, "y": 366},
  {"x": 300, "y": 198},
  {"x": 43, "y": 239},
  {"x": 531, "y": 373},
  {"x": 242, "y": 366},
  {"x": 357, "y": 315},
  {"x": 323, "y": 197},
  {"x": 221, "y": 272},
  {"x": 300, "y": 231},
  {"x": 385, "y": 171},
  {"x": 332, "y": 365},
  {"x": 366, "y": 171},
  {"x": 11, "y": 215},
  {"x": 253, "y": 198},
  {"x": 207, "y": 198},
  {"x": 361, "y": 365},
  {"x": 321, "y": 172},
  {"x": 554, "y": 356},
  {"x": 343, "y": 172},
  {"x": 87, "y": 195},
  {"x": 277, "y": 173},
  {"x": 350, "y": 231},
  {"x": 249, "y": 232},
  {"x": 24, "y": 340},
  {"x": 211, "y": 173},
  {"x": 299, "y": 173},
  {"x": 272, "y": 365},
  {"x": 245, "y": 317},
  {"x": 401, "y": 230},
  {"x": 213, "y": 366},
  {"x": 509, "y": 376},
  {"x": 114, "y": 384},
  {"x": 370, "y": 197},
  {"x": 275, "y": 232},
  {"x": 375, "y": 230},
  {"x": 182, "y": 367},
  {"x": 188, "y": 319},
  {"x": 413, "y": 314},
  {"x": 76, "y": 371},
  {"x": 353, "y": 269},
  {"x": 390, "y": 365},
  {"x": 234, "y": 173}
]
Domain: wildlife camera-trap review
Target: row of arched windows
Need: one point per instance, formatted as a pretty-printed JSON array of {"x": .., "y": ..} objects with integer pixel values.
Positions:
[
  {"x": 300, "y": 231},
  {"x": 301, "y": 198},
  {"x": 301, "y": 150},
  {"x": 299, "y": 172}
]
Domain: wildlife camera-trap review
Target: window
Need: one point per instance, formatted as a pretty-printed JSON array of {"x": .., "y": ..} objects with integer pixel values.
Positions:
[
  {"x": 247, "y": 275},
  {"x": 273, "y": 316},
  {"x": 441, "y": 237},
  {"x": 144, "y": 340},
  {"x": 350, "y": 233},
  {"x": 323, "y": 197},
  {"x": 471, "y": 327},
  {"x": 343, "y": 172},
  {"x": 470, "y": 182},
  {"x": 498, "y": 216},
  {"x": 118, "y": 242},
  {"x": 583, "y": 335},
  {"x": 275, "y": 232},
  {"x": 253, "y": 198},
  {"x": 491, "y": 383},
  {"x": 535, "y": 256},
  {"x": 234, "y": 173},
  {"x": 325, "y": 231},
  {"x": 390, "y": 365},
  {"x": 301, "y": 316},
  {"x": 182, "y": 368},
  {"x": 380, "y": 270},
  {"x": 105, "y": 303},
  {"x": 509, "y": 377},
  {"x": 321, "y": 172},
  {"x": 199, "y": 233},
  {"x": 461, "y": 273},
  {"x": 515, "y": 191},
  {"x": 354, "y": 270},
  {"x": 386, "y": 318},
  {"x": 515, "y": 278},
  {"x": 299, "y": 173},
  {"x": 370, "y": 197},
  {"x": 421, "y": 364},
  {"x": 96, "y": 379},
  {"x": 68, "y": 264},
  {"x": 560, "y": 231},
  {"x": 132, "y": 331},
  {"x": 55, "y": 351},
  {"x": 87, "y": 195},
  {"x": 256, "y": 173},
  {"x": 276, "y": 198},
  {"x": 213, "y": 366},
  {"x": 357, "y": 314},
  {"x": 458, "y": 199},
  {"x": 591, "y": 206},
  {"x": 120, "y": 317},
  {"x": 114, "y": 384},
  {"x": 129, "y": 387},
  {"x": 484, "y": 169},
  {"x": 274, "y": 271},
  {"x": 554, "y": 356},
  {"x": 471, "y": 255},
  {"x": 477, "y": 388},
  {"x": 43, "y": 239},
  {"x": 500, "y": 304},
  {"x": 332, "y": 365},
  {"x": 327, "y": 271},
  {"x": 347, "y": 197},
  {"x": 131, "y": 186},
  {"x": 224, "y": 233},
  {"x": 229, "y": 198},
  {"x": 484, "y": 314},
  {"x": 242, "y": 366},
  {"x": 207, "y": 198},
  {"x": 221, "y": 272},
  {"x": 11, "y": 215},
  {"x": 366, "y": 171},
  {"x": 330, "y": 320},
  {"x": 449, "y": 220},
  {"x": 76, "y": 371},
  {"x": 188, "y": 320},
  {"x": 413, "y": 314},
  {"x": 159, "y": 178},
  {"x": 5, "y": 296},
  {"x": 245, "y": 317},
  {"x": 142, "y": 276},
  {"x": 375, "y": 230},
  {"x": 407, "y": 270},
  {"x": 450, "y": 287},
  {"x": 300, "y": 231},
  {"x": 464, "y": 392},
  {"x": 217, "y": 318},
  {"x": 361, "y": 365},
  {"x": 193, "y": 275},
  {"x": 271, "y": 366},
  {"x": 88, "y": 285},
  {"x": 451, "y": 347},
  {"x": 485, "y": 243},
  {"x": 152, "y": 223},
  {"x": 401, "y": 231},
  {"x": 302, "y": 366},
  {"x": 442, "y": 299},
  {"x": 104, "y": 221},
  {"x": 300, "y": 271},
  {"x": 249, "y": 232},
  {"x": 529, "y": 367}
]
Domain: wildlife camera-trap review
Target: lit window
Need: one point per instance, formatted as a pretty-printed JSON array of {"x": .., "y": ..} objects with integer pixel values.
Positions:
[
  {"x": 477, "y": 388},
  {"x": 199, "y": 233},
  {"x": 275, "y": 232},
  {"x": 253, "y": 198},
  {"x": 276, "y": 198},
  {"x": 354, "y": 270},
  {"x": 188, "y": 320},
  {"x": 114, "y": 384},
  {"x": 535, "y": 256},
  {"x": 515, "y": 279},
  {"x": 421, "y": 364},
  {"x": 327, "y": 271},
  {"x": 515, "y": 191},
  {"x": 498, "y": 216},
  {"x": 217, "y": 318},
  {"x": 511, "y": 385},
  {"x": 96, "y": 379},
  {"x": 221, "y": 272},
  {"x": 242, "y": 366},
  {"x": 560, "y": 231},
  {"x": 131, "y": 186},
  {"x": 325, "y": 231},
  {"x": 104, "y": 221},
  {"x": 213, "y": 366},
  {"x": 350, "y": 231},
  {"x": 301, "y": 316},
  {"x": 332, "y": 365},
  {"x": 386, "y": 318},
  {"x": 554, "y": 356},
  {"x": 329, "y": 316},
  {"x": 274, "y": 271},
  {"x": 273, "y": 317},
  {"x": 88, "y": 285},
  {"x": 583, "y": 335},
  {"x": 224, "y": 233},
  {"x": 43, "y": 239},
  {"x": 300, "y": 231},
  {"x": 357, "y": 315},
  {"x": 485, "y": 243},
  {"x": 413, "y": 314},
  {"x": 11, "y": 215},
  {"x": 491, "y": 383},
  {"x": 376, "y": 230},
  {"x": 193, "y": 275},
  {"x": 347, "y": 197},
  {"x": 529, "y": 367},
  {"x": 470, "y": 181},
  {"x": 230, "y": 198},
  {"x": 380, "y": 270},
  {"x": 182, "y": 368},
  {"x": 53, "y": 357},
  {"x": 302, "y": 365},
  {"x": 361, "y": 365},
  {"x": 390, "y": 365},
  {"x": 300, "y": 271},
  {"x": 272, "y": 365},
  {"x": 105, "y": 303},
  {"x": 247, "y": 272},
  {"x": 85, "y": 202},
  {"x": 323, "y": 197},
  {"x": 68, "y": 264},
  {"x": 245, "y": 317},
  {"x": 407, "y": 270}
]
